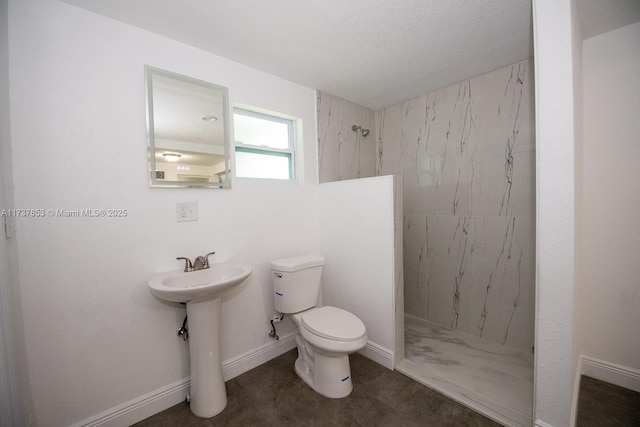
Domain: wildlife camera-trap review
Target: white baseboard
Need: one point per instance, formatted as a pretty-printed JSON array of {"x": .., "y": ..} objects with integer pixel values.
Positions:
[
  {"x": 610, "y": 372},
  {"x": 140, "y": 408},
  {"x": 158, "y": 400},
  {"x": 378, "y": 354},
  {"x": 163, "y": 398},
  {"x": 256, "y": 357}
]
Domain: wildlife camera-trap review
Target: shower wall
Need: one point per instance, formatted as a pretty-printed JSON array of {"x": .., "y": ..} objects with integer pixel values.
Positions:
[
  {"x": 467, "y": 155},
  {"x": 343, "y": 153}
]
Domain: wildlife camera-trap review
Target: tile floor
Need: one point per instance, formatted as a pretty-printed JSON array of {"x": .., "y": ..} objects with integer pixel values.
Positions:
[
  {"x": 495, "y": 380},
  {"x": 273, "y": 395},
  {"x": 601, "y": 404}
]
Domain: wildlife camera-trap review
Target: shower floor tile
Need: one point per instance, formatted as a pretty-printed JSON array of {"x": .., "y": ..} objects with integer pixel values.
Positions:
[{"x": 490, "y": 378}]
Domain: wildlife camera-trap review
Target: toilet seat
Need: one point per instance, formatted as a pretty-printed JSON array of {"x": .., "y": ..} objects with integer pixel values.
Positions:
[{"x": 334, "y": 324}]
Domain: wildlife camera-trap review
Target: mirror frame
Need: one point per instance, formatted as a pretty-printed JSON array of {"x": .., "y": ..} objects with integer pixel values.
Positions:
[{"x": 154, "y": 182}]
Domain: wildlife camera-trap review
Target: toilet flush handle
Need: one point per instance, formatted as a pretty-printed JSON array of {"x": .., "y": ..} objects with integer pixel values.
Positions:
[{"x": 277, "y": 274}]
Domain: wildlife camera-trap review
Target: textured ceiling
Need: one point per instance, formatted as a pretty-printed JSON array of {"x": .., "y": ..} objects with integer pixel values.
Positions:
[{"x": 372, "y": 52}]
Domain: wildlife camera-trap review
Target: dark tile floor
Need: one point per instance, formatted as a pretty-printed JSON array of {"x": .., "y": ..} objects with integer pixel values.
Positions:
[
  {"x": 601, "y": 404},
  {"x": 273, "y": 395}
]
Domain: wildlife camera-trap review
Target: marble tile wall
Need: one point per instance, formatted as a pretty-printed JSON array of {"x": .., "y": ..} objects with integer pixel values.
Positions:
[
  {"x": 343, "y": 153},
  {"x": 467, "y": 157}
]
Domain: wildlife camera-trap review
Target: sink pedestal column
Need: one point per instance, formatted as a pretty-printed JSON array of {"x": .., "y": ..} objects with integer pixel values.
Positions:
[{"x": 208, "y": 393}]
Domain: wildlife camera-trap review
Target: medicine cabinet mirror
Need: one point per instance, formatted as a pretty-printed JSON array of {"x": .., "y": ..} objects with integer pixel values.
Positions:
[{"x": 188, "y": 131}]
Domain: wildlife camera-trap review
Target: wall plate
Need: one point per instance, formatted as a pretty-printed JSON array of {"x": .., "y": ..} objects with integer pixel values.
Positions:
[{"x": 187, "y": 211}]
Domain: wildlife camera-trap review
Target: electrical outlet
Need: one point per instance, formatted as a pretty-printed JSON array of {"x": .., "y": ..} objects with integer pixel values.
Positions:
[{"x": 187, "y": 211}]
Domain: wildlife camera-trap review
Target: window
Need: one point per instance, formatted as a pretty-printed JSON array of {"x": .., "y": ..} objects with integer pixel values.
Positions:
[{"x": 264, "y": 145}]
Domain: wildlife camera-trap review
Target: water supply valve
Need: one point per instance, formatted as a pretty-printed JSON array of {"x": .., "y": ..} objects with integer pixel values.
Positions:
[
  {"x": 183, "y": 331},
  {"x": 275, "y": 319}
]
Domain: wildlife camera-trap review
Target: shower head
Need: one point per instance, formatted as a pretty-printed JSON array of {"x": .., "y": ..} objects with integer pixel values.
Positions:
[{"x": 363, "y": 131}]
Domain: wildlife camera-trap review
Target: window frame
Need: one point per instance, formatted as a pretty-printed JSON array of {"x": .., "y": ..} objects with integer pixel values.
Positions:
[{"x": 289, "y": 152}]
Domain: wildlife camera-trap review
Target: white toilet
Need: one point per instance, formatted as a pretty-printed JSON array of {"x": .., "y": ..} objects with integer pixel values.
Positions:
[{"x": 325, "y": 336}]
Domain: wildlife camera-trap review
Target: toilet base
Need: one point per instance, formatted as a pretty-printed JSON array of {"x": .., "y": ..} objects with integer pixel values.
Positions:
[{"x": 329, "y": 376}]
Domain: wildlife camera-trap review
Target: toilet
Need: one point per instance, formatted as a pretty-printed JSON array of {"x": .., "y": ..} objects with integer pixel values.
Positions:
[{"x": 325, "y": 336}]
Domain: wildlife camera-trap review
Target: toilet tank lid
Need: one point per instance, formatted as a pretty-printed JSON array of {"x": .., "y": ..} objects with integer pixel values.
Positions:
[{"x": 297, "y": 263}]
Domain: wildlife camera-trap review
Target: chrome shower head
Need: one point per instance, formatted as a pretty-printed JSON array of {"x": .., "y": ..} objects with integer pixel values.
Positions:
[{"x": 363, "y": 131}]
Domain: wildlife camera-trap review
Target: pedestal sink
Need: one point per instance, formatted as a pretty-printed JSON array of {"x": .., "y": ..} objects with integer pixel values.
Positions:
[{"x": 201, "y": 291}]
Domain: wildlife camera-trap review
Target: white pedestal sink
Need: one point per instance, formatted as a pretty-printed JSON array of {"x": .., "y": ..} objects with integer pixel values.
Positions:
[{"x": 201, "y": 291}]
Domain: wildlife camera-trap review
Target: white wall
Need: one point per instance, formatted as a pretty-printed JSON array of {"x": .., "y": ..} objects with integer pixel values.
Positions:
[
  {"x": 596, "y": 149},
  {"x": 14, "y": 391},
  {"x": 95, "y": 336},
  {"x": 553, "y": 42},
  {"x": 608, "y": 296},
  {"x": 358, "y": 231}
]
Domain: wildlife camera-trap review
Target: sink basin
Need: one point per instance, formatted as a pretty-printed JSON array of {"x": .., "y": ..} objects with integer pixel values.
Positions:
[
  {"x": 201, "y": 291},
  {"x": 210, "y": 283}
]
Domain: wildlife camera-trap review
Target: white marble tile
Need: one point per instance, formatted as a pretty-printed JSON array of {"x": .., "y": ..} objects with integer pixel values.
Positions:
[
  {"x": 474, "y": 274},
  {"x": 416, "y": 288},
  {"x": 343, "y": 153},
  {"x": 465, "y": 148},
  {"x": 450, "y": 241},
  {"x": 501, "y": 304},
  {"x": 398, "y": 352},
  {"x": 504, "y": 168},
  {"x": 493, "y": 379},
  {"x": 497, "y": 194},
  {"x": 388, "y": 126},
  {"x": 466, "y": 153},
  {"x": 428, "y": 140}
]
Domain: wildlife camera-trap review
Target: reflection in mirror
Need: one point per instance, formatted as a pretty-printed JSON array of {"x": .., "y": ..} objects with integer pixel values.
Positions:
[{"x": 188, "y": 137}]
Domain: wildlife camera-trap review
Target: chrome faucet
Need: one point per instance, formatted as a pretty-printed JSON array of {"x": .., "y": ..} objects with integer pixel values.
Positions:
[
  {"x": 187, "y": 264},
  {"x": 200, "y": 263}
]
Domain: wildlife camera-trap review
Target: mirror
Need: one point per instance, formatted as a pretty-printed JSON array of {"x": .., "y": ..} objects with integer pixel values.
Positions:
[{"x": 188, "y": 135}]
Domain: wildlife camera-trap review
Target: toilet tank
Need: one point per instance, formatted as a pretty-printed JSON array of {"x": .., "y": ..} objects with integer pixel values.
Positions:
[{"x": 296, "y": 282}]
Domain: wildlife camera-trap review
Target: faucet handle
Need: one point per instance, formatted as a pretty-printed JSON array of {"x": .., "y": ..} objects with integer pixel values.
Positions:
[
  {"x": 206, "y": 259},
  {"x": 187, "y": 264}
]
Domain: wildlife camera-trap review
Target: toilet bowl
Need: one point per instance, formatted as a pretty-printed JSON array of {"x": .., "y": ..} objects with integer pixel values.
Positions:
[
  {"x": 325, "y": 336},
  {"x": 323, "y": 349}
]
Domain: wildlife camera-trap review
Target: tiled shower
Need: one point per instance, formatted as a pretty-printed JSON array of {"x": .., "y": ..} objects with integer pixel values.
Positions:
[
  {"x": 466, "y": 154},
  {"x": 342, "y": 152}
]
